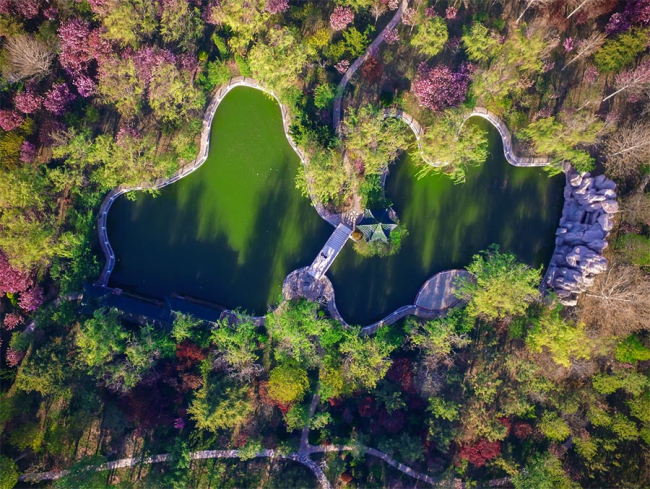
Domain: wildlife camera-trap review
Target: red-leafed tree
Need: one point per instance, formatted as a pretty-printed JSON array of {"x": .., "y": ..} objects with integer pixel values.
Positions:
[
  {"x": 189, "y": 354},
  {"x": 392, "y": 422},
  {"x": 480, "y": 453},
  {"x": 440, "y": 87},
  {"x": 367, "y": 407},
  {"x": 522, "y": 430},
  {"x": 372, "y": 70},
  {"x": 401, "y": 372}
]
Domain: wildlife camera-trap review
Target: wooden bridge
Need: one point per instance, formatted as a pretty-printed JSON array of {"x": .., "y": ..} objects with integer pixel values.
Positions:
[{"x": 330, "y": 251}]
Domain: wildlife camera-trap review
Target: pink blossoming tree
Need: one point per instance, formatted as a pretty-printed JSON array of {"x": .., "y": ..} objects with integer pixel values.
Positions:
[
  {"x": 58, "y": 98},
  {"x": 438, "y": 88},
  {"x": 12, "y": 281},
  {"x": 28, "y": 101},
  {"x": 276, "y": 6},
  {"x": 27, "y": 152},
  {"x": 10, "y": 120},
  {"x": 341, "y": 18}
]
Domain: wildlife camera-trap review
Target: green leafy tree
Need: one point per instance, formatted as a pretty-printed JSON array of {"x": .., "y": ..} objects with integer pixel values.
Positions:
[
  {"x": 564, "y": 340},
  {"x": 245, "y": 18},
  {"x": 559, "y": 138},
  {"x": 238, "y": 343},
  {"x": 129, "y": 22},
  {"x": 621, "y": 51},
  {"x": 554, "y": 427},
  {"x": 366, "y": 359},
  {"x": 324, "y": 95},
  {"x": 8, "y": 473},
  {"x": 373, "y": 139},
  {"x": 101, "y": 338},
  {"x": 44, "y": 370},
  {"x": 181, "y": 24},
  {"x": 630, "y": 381},
  {"x": 499, "y": 286},
  {"x": 543, "y": 471},
  {"x": 430, "y": 36},
  {"x": 480, "y": 44},
  {"x": 220, "y": 404},
  {"x": 278, "y": 61},
  {"x": 450, "y": 146},
  {"x": 216, "y": 74},
  {"x": 184, "y": 326},
  {"x": 288, "y": 384},
  {"x": 324, "y": 178},
  {"x": 631, "y": 350},
  {"x": 294, "y": 329},
  {"x": 172, "y": 95}
]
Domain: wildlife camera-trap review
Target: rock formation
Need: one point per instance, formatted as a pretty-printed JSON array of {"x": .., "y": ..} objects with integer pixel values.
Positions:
[{"x": 587, "y": 218}]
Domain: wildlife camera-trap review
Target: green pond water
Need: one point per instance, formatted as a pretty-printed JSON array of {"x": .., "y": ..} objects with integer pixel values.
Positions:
[
  {"x": 518, "y": 208},
  {"x": 231, "y": 231}
]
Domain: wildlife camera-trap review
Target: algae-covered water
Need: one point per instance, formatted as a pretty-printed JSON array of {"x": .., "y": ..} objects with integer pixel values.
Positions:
[
  {"x": 518, "y": 208},
  {"x": 231, "y": 231}
]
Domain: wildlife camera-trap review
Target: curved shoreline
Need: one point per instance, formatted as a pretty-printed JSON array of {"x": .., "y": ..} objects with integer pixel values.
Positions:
[
  {"x": 204, "y": 150},
  {"x": 492, "y": 118}
]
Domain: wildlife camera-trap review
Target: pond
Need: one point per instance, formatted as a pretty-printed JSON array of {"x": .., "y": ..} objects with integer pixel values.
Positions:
[
  {"x": 230, "y": 232},
  {"x": 518, "y": 208}
]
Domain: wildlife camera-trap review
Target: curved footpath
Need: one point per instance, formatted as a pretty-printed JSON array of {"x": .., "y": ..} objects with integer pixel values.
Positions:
[
  {"x": 204, "y": 149},
  {"x": 372, "y": 49}
]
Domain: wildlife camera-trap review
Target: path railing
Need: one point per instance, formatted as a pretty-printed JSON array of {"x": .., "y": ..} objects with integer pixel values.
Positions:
[{"x": 204, "y": 150}]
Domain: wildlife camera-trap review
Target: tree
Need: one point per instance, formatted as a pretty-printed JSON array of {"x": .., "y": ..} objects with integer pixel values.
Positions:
[
  {"x": 621, "y": 51},
  {"x": 181, "y": 24},
  {"x": 288, "y": 384},
  {"x": 450, "y": 146},
  {"x": 183, "y": 326},
  {"x": 631, "y": 350},
  {"x": 238, "y": 343},
  {"x": 635, "y": 81},
  {"x": 58, "y": 98},
  {"x": 28, "y": 101},
  {"x": 324, "y": 178},
  {"x": 45, "y": 369},
  {"x": 430, "y": 37},
  {"x": 172, "y": 95},
  {"x": 480, "y": 453},
  {"x": 101, "y": 338},
  {"x": 619, "y": 301},
  {"x": 559, "y": 138},
  {"x": 276, "y": 6},
  {"x": 543, "y": 471},
  {"x": 324, "y": 95},
  {"x": 278, "y": 61},
  {"x": 8, "y": 473},
  {"x": 372, "y": 138},
  {"x": 12, "y": 281},
  {"x": 627, "y": 149},
  {"x": 365, "y": 359},
  {"x": 10, "y": 120},
  {"x": 439, "y": 88},
  {"x": 438, "y": 338},
  {"x": 245, "y": 18},
  {"x": 27, "y": 57},
  {"x": 220, "y": 404},
  {"x": 129, "y": 22},
  {"x": 554, "y": 427},
  {"x": 499, "y": 286},
  {"x": 563, "y": 339},
  {"x": 341, "y": 17},
  {"x": 480, "y": 44}
]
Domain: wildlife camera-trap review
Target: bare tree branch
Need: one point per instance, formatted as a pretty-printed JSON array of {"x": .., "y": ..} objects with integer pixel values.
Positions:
[{"x": 27, "y": 57}]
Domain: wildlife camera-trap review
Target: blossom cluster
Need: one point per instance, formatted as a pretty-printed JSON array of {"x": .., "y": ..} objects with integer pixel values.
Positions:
[
  {"x": 438, "y": 88},
  {"x": 341, "y": 18}
]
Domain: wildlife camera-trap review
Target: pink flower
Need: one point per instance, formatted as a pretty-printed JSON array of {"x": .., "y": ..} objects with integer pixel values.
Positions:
[
  {"x": 49, "y": 127},
  {"x": 591, "y": 74},
  {"x": 342, "y": 66},
  {"x": 393, "y": 4},
  {"x": 568, "y": 44},
  {"x": 451, "y": 13},
  {"x": 430, "y": 12},
  {"x": 27, "y": 8},
  {"x": 31, "y": 300},
  {"x": 179, "y": 423},
  {"x": 27, "y": 152},
  {"x": 391, "y": 36},
  {"x": 11, "y": 320},
  {"x": 28, "y": 101},
  {"x": 10, "y": 120},
  {"x": 58, "y": 98},
  {"x": 276, "y": 6},
  {"x": 341, "y": 18}
]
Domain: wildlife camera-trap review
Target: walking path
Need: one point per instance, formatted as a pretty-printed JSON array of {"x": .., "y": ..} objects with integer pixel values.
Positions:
[
  {"x": 506, "y": 138},
  {"x": 330, "y": 251},
  {"x": 204, "y": 149},
  {"x": 371, "y": 50}
]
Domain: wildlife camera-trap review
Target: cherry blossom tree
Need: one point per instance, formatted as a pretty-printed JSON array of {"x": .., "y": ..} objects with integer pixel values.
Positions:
[
  {"x": 10, "y": 120},
  {"x": 342, "y": 66},
  {"x": 391, "y": 36},
  {"x": 438, "y": 88},
  {"x": 635, "y": 81},
  {"x": 27, "y": 8},
  {"x": 58, "y": 98},
  {"x": 618, "y": 23},
  {"x": 11, "y": 320},
  {"x": 28, "y": 101},
  {"x": 12, "y": 281},
  {"x": 276, "y": 6},
  {"x": 341, "y": 18},
  {"x": 409, "y": 17},
  {"x": 568, "y": 44},
  {"x": 451, "y": 13},
  {"x": 27, "y": 152},
  {"x": 14, "y": 357},
  {"x": 31, "y": 299}
]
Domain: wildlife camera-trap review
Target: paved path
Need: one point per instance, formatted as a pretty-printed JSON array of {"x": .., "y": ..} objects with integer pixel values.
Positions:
[
  {"x": 371, "y": 50},
  {"x": 506, "y": 138},
  {"x": 438, "y": 292},
  {"x": 204, "y": 148}
]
